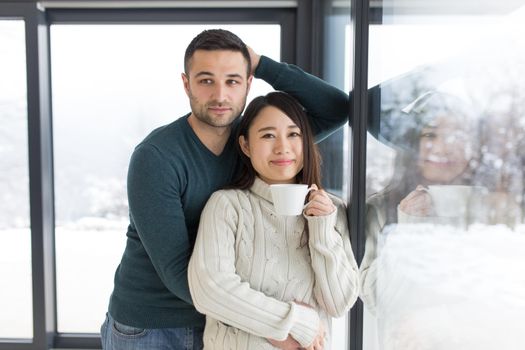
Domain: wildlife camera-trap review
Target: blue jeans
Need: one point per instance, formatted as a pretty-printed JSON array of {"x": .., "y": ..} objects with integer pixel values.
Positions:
[{"x": 117, "y": 336}]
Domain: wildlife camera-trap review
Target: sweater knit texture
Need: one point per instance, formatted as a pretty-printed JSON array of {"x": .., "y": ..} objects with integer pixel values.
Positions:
[
  {"x": 250, "y": 265},
  {"x": 171, "y": 176}
]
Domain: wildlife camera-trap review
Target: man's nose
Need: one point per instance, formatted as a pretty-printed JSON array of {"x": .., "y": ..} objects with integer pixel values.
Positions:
[{"x": 220, "y": 92}]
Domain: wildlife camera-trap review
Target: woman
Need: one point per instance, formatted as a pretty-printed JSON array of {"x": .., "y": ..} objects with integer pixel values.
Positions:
[
  {"x": 264, "y": 280},
  {"x": 438, "y": 146},
  {"x": 400, "y": 285}
]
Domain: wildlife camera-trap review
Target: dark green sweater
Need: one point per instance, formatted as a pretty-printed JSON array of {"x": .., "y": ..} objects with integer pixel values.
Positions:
[{"x": 171, "y": 176}]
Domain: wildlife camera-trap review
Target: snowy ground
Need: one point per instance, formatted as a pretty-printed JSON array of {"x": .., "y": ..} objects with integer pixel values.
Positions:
[
  {"x": 86, "y": 262},
  {"x": 438, "y": 288},
  {"x": 87, "y": 254}
]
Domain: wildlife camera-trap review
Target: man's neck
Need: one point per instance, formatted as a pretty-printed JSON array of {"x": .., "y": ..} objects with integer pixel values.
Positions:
[{"x": 214, "y": 138}]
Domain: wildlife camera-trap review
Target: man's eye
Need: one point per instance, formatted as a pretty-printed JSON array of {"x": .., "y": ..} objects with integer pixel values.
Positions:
[
  {"x": 233, "y": 82},
  {"x": 206, "y": 81}
]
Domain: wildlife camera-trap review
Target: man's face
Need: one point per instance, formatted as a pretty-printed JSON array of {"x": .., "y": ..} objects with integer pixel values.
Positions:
[{"x": 217, "y": 85}]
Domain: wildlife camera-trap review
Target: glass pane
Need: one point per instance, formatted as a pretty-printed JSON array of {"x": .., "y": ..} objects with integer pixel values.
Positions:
[
  {"x": 16, "y": 317},
  {"x": 445, "y": 235},
  {"x": 112, "y": 85},
  {"x": 337, "y": 71}
]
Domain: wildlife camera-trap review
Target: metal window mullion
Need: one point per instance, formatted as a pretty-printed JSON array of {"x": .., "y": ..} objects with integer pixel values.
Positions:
[
  {"x": 41, "y": 179},
  {"x": 359, "y": 113}
]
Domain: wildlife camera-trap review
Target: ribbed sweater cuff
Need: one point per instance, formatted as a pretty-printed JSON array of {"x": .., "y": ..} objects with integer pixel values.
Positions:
[
  {"x": 321, "y": 228},
  {"x": 305, "y": 326}
]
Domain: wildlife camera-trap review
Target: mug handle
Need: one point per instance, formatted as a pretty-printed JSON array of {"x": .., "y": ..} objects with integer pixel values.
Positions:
[{"x": 308, "y": 191}]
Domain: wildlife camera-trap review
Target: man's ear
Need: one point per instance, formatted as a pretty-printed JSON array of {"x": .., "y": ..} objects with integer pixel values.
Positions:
[
  {"x": 243, "y": 142},
  {"x": 249, "y": 84},
  {"x": 186, "y": 83}
]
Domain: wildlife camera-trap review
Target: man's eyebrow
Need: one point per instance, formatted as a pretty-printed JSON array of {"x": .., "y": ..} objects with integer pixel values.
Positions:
[
  {"x": 203, "y": 73},
  {"x": 234, "y": 75},
  {"x": 231, "y": 75}
]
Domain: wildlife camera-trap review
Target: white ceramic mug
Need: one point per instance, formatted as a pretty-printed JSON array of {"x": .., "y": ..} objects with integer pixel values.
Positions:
[
  {"x": 450, "y": 200},
  {"x": 288, "y": 199}
]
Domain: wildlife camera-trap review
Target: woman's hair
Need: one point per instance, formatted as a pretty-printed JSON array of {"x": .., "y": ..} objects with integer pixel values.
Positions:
[{"x": 311, "y": 172}]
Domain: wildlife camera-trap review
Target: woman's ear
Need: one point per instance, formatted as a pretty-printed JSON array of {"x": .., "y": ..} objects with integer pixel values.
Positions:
[{"x": 243, "y": 142}]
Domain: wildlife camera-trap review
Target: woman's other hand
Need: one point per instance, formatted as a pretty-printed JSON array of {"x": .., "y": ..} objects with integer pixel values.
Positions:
[
  {"x": 287, "y": 344},
  {"x": 318, "y": 343}
]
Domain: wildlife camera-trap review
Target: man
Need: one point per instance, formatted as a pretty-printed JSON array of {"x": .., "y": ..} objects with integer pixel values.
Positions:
[{"x": 173, "y": 172}]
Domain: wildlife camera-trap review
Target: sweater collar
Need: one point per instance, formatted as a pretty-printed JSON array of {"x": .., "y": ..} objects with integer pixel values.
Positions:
[{"x": 262, "y": 189}]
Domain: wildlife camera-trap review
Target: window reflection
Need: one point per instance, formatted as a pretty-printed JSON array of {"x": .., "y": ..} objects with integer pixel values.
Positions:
[
  {"x": 16, "y": 319},
  {"x": 112, "y": 85},
  {"x": 444, "y": 231}
]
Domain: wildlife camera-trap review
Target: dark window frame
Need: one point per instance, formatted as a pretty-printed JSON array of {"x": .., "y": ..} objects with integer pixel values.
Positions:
[
  {"x": 40, "y": 172},
  {"x": 358, "y": 110},
  {"x": 300, "y": 44}
]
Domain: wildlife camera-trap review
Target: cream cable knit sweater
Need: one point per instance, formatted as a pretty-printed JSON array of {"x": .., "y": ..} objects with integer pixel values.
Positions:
[{"x": 249, "y": 265}]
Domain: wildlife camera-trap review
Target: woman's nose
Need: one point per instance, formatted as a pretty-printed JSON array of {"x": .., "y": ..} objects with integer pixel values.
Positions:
[
  {"x": 281, "y": 146},
  {"x": 438, "y": 146}
]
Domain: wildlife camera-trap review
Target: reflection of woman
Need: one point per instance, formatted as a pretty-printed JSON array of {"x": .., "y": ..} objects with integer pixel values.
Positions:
[
  {"x": 262, "y": 279},
  {"x": 445, "y": 152},
  {"x": 398, "y": 279},
  {"x": 438, "y": 149}
]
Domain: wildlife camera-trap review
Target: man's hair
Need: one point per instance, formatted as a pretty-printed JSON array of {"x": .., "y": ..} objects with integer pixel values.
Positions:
[{"x": 216, "y": 39}]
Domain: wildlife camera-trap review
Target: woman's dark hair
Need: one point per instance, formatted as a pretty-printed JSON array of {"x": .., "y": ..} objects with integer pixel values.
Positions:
[
  {"x": 213, "y": 40},
  {"x": 311, "y": 172}
]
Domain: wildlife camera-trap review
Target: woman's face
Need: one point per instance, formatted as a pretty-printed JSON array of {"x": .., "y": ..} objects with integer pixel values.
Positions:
[
  {"x": 444, "y": 151},
  {"x": 274, "y": 146}
]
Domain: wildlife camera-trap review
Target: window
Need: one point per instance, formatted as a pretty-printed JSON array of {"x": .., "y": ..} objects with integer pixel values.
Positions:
[
  {"x": 112, "y": 85},
  {"x": 445, "y": 180},
  {"x": 16, "y": 319}
]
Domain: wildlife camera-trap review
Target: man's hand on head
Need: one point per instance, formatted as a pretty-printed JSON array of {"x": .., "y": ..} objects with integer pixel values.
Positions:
[{"x": 255, "y": 58}]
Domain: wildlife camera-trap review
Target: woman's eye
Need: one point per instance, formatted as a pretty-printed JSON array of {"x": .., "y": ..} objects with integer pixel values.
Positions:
[
  {"x": 267, "y": 136},
  {"x": 295, "y": 134},
  {"x": 428, "y": 135}
]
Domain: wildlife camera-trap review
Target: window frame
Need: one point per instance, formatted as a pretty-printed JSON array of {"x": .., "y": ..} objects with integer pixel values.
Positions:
[
  {"x": 298, "y": 46},
  {"x": 40, "y": 171}
]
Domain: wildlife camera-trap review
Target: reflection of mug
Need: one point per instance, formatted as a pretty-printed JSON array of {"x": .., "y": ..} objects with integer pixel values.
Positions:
[
  {"x": 450, "y": 200},
  {"x": 288, "y": 199}
]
